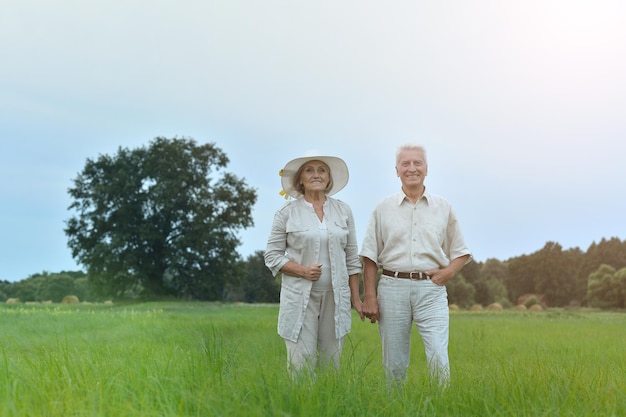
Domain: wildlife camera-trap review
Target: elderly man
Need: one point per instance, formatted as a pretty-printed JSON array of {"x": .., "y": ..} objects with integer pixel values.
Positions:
[{"x": 415, "y": 238}]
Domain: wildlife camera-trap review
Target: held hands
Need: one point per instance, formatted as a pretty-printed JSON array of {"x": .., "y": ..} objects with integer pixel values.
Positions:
[
  {"x": 370, "y": 309},
  {"x": 358, "y": 306}
]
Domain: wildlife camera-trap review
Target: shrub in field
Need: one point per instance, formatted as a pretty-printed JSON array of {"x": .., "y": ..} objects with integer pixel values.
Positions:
[
  {"x": 505, "y": 303},
  {"x": 535, "y": 307},
  {"x": 70, "y": 299},
  {"x": 476, "y": 307},
  {"x": 531, "y": 299},
  {"x": 520, "y": 307},
  {"x": 453, "y": 307},
  {"x": 494, "y": 307},
  {"x": 13, "y": 301}
]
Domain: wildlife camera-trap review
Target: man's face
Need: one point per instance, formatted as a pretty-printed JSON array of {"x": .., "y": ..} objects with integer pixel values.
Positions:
[{"x": 412, "y": 168}]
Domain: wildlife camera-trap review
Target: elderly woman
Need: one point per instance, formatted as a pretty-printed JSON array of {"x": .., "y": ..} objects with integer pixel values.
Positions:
[{"x": 313, "y": 244}]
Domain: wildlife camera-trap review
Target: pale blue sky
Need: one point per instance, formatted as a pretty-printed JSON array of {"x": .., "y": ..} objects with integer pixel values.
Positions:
[{"x": 521, "y": 106}]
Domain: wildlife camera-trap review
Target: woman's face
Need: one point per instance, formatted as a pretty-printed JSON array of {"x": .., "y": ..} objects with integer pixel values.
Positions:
[{"x": 315, "y": 177}]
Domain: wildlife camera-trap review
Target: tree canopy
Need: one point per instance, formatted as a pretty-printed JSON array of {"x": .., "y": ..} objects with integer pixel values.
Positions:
[{"x": 159, "y": 220}]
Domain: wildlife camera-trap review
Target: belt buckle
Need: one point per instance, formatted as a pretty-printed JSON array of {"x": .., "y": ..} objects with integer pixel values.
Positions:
[{"x": 420, "y": 276}]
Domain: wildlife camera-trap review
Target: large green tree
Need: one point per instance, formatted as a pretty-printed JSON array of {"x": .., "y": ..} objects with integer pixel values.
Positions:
[{"x": 159, "y": 220}]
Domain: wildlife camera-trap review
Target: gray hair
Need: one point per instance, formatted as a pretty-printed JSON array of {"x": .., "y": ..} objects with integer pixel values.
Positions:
[{"x": 410, "y": 147}]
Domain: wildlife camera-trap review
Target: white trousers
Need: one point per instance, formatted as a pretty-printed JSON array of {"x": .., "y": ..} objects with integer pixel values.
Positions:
[
  {"x": 317, "y": 345},
  {"x": 403, "y": 302}
]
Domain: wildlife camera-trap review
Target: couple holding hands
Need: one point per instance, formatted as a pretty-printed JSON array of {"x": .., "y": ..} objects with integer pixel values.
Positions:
[{"x": 413, "y": 236}]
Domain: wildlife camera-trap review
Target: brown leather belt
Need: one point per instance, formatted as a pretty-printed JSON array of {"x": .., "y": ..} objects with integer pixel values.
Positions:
[{"x": 410, "y": 275}]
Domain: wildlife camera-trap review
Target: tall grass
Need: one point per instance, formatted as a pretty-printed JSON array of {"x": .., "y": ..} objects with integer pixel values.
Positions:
[{"x": 204, "y": 359}]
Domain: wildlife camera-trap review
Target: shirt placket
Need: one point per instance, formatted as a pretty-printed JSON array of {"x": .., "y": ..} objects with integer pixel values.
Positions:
[{"x": 415, "y": 226}]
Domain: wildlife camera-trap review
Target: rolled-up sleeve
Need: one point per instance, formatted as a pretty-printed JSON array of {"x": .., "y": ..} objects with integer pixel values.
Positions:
[
  {"x": 353, "y": 263},
  {"x": 275, "y": 257},
  {"x": 454, "y": 244}
]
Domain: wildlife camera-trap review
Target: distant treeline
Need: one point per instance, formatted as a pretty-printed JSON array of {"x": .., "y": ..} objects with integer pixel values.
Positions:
[
  {"x": 556, "y": 277},
  {"x": 552, "y": 276}
]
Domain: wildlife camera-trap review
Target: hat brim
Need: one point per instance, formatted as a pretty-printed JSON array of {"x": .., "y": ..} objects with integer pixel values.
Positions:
[{"x": 338, "y": 172}]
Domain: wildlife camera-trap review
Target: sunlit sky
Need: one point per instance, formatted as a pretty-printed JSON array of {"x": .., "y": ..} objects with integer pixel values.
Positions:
[{"x": 521, "y": 106}]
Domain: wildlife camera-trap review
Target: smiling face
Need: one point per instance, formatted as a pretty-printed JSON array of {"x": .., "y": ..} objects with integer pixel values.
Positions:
[
  {"x": 411, "y": 168},
  {"x": 314, "y": 177}
]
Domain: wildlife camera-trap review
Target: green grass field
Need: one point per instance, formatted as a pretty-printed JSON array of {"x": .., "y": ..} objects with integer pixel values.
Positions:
[{"x": 206, "y": 359}]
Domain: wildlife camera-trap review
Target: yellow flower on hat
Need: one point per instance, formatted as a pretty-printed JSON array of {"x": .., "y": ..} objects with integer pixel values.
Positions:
[{"x": 283, "y": 192}]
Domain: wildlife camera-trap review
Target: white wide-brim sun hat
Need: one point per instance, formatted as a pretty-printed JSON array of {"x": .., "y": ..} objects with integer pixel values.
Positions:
[{"x": 338, "y": 172}]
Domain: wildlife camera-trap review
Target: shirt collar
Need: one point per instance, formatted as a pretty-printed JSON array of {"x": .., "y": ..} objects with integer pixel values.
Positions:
[
  {"x": 402, "y": 196},
  {"x": 306, "y": 203}
]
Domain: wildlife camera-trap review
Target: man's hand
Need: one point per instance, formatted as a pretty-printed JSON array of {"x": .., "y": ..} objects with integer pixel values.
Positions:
[
  {"x": 443, "y": 275},
  {"x": 370, "y": 309}
]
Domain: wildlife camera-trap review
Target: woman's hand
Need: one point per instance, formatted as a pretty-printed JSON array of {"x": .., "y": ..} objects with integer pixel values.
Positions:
[
  {"x": 358, "y": 306},
  {"x": 312, "y": 272}
]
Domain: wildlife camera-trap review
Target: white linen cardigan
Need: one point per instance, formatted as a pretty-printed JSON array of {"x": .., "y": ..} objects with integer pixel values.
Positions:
[{"x": 295, "y": 236}]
